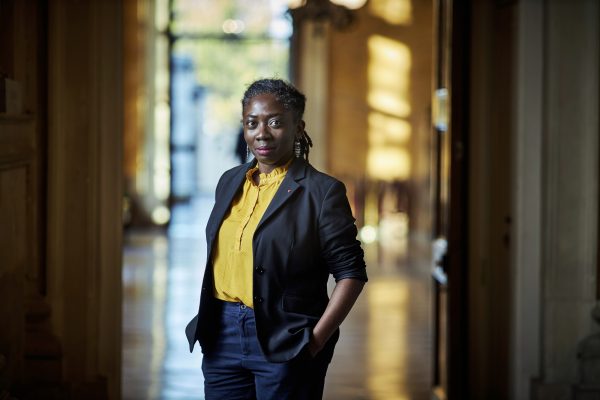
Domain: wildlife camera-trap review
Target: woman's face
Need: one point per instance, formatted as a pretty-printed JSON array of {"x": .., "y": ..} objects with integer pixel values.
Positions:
[{"x": 269, "y": 131}]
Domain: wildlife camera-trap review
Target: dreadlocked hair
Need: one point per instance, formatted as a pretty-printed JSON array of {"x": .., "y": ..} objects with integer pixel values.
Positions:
[
  {"x": 302, "y": 146},
  {"x": 290, "y": 98}
]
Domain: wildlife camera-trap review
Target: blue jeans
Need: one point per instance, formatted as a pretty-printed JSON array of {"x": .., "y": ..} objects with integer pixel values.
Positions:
[{"x": 235, "y": 367}]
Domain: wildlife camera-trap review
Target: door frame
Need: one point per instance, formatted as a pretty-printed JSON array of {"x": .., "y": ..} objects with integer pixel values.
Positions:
[{"x": 451, "y": 224}]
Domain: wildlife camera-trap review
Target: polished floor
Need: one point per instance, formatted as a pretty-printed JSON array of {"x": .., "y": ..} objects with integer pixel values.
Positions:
[{"x": 384, "y": 352}]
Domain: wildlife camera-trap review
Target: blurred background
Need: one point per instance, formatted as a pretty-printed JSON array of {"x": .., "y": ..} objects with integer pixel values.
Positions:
[{"x": 466, "y": 134}]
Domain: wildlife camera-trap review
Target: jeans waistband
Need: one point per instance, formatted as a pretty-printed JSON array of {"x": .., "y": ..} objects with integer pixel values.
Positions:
[{"x": 236, "y": 306}]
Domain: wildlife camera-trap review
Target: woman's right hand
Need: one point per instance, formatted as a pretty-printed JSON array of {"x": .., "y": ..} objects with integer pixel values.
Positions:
[{"x": 314, "y": 345}]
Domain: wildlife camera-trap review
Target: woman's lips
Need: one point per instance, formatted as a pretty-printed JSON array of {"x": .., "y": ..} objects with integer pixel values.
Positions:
[{"x": 264, "y": 151}]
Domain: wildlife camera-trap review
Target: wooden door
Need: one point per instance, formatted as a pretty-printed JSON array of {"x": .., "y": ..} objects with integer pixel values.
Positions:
[
  {"x": 449, "y": 269},
  {"x": 22, "y": 190}
]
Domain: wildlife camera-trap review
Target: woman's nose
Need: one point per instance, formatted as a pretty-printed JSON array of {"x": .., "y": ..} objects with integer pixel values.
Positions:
[{"x": 262, "y": 131}]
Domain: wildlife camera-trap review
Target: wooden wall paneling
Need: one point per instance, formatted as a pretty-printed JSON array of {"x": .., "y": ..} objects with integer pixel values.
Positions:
[
  {"x": 13, "y": 260},
  {"x": 17, "y": 137},
  {"x": 85, "y": 190},
  {"x": 35, "y": 353}
]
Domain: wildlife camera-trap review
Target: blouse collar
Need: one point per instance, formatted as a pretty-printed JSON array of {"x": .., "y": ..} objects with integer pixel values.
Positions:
[{"x": 276, "y": 174}]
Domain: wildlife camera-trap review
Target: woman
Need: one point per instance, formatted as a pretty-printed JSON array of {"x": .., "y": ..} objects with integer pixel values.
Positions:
[{"x": 278, "y": 229}]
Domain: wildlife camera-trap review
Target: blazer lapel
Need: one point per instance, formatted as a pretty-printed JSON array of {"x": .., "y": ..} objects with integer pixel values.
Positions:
[{"x": 286, "y": 190}]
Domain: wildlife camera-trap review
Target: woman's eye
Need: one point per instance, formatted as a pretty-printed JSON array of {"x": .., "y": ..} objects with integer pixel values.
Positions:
[
  {"x": 275, "y": 123},
  {"x": 251, "y": 124}
]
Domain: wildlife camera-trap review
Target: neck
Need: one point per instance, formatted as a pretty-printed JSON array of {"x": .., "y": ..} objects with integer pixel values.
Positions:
[{"x": 268, "y": 168}]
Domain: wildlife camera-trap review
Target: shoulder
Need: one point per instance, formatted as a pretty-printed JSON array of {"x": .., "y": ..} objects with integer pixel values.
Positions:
[
  {"x": 320, "y": 178},
  {"x": 233, "y": 173},
  {"x": 318, "y": 184},
  {"x": 238, "y": 169},
  {"x": 232, "y": 176}
]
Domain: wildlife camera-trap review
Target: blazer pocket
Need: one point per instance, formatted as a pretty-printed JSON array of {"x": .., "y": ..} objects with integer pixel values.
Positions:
[{"x": 300, "y": 305}]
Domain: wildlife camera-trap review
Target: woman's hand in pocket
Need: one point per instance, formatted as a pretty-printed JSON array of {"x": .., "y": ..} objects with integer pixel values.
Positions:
[{"x": 315, "y": 345}]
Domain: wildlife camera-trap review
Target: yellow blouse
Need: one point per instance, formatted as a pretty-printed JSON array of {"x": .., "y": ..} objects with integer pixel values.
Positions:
[{"x": 233, "y": 258}]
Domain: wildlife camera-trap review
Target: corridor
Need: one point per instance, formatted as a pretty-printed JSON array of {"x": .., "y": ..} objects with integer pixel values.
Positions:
[{"x": 385, "y": 348}]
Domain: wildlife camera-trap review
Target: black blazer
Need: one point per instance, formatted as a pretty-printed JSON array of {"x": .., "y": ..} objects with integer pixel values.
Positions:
[{"x": 306, "y": 233}]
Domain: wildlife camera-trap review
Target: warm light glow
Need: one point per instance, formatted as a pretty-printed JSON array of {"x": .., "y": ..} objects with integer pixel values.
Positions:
[
  {"x": 393, "y": 228},
  {"x": 161, "y": 215},
  {"x": 368, "y": 234},
  {"x": 395, "y": 12},
  {"x": 233, "y": 26},
  {"x": 387, "y": 69},
  {"x": 161, "y": 173},
  {"x": 385, "y": 129},
  {"x": 296, "y": 3},
  {"x": 389, "y": 102},
  {"x": 351, "y": 4},
  {"x": 160, "y": 159},
  {"x": 386, "y": 338},
  {"x": 389, "y": 133},
  {"x": 389, "y": 76},
  {"x": 388, "y": 163},
  {"x": 161, "y": 19}
]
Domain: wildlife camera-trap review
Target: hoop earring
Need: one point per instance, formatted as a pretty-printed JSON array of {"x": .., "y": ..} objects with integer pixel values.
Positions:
[{"x": 247, "y": 153}]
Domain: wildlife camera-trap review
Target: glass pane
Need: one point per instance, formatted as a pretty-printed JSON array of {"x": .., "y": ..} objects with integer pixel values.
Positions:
[
  {"x": 224, "y": 68},
  {"x": 219, "y": 48},
  {"x": 259, "y": 17},
  {"x": 218, "y": 72}
]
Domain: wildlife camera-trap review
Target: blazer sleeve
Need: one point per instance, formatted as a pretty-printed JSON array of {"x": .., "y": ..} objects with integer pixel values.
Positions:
[{"x": 337, "y": 233}]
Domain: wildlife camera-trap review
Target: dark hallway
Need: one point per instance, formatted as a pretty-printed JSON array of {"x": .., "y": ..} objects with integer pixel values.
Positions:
[{"x": 466, "y": 134}]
